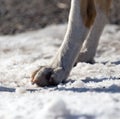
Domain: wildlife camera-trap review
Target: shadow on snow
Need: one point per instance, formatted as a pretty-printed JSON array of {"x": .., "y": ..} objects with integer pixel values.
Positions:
[{"x": 111, "y": 89}]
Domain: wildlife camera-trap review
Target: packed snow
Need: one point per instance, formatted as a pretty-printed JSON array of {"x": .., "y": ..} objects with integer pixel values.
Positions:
[{"x": 92, "y": 90}]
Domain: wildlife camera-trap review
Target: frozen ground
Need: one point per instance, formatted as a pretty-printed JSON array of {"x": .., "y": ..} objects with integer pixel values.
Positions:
[{"x": 92, "y": 93}]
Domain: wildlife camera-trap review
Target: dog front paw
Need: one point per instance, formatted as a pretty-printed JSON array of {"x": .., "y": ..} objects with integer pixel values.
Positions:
[{"x": 47, "y": 76}]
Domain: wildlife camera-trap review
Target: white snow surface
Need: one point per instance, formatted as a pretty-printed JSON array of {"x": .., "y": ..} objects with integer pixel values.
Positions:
[{"x": 92, "y": 92}]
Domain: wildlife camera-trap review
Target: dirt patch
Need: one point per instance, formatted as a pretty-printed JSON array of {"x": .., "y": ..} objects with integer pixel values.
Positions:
[{"x": 25, "y": 15}]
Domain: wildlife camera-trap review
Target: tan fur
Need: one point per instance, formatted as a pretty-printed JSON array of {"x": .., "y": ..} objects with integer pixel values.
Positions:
[
  {"x": 88, "y": 10},
  {"x": 104, "y": 5}
]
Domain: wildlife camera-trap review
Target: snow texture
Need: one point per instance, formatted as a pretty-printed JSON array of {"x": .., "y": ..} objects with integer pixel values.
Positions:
[{"x": 92, "y": 90}]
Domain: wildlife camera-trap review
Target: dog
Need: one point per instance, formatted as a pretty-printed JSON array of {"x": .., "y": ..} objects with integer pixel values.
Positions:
[{"x": 87, "y": 19}]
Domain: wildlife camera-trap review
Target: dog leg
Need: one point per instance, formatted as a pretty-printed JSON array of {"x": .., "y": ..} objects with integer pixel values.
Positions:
[
  {"x": 61, "y": 65},
  {"x": 88, "y": 50}
]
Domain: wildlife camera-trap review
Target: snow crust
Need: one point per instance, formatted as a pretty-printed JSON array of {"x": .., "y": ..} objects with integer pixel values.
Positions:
[{"x": 92, "y": 90}]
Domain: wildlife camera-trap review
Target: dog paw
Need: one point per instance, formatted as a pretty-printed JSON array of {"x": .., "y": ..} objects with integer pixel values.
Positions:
[{"x": 47, "y": 76}]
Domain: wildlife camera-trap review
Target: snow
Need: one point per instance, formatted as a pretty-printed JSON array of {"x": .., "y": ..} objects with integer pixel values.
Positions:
[
  {"x": 56, "y": 109},
  {"x": 20, "y": 90},
  {"x": 92, "y": 92}
]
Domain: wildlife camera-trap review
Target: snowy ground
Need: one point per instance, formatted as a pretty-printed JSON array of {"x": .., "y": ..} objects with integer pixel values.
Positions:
[{"x": 94, "y": 94}]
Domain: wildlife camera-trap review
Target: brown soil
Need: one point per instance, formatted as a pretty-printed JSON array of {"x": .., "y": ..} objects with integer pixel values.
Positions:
[{"x": 25, "y": 15}]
